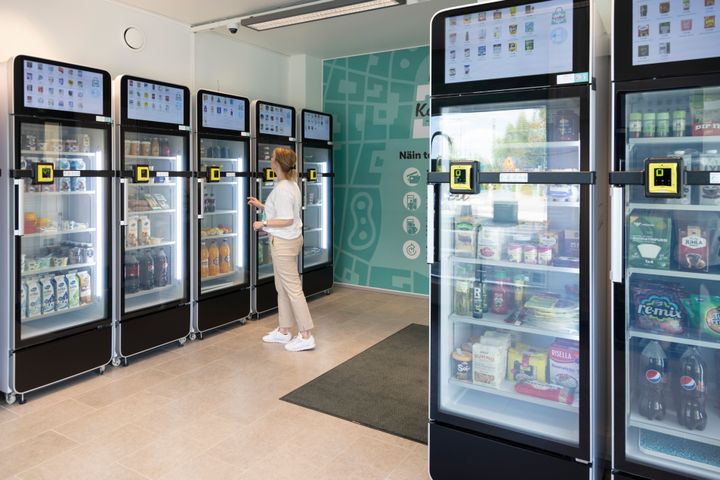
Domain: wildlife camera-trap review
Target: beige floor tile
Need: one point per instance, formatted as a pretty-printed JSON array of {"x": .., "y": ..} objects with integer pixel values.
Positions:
[
  {"x": 32, "y": 424},
  {"x": 204, "y": 467},
  {"x": 209, "y": 430},
  {"x": 347, "y": 470},
  {"x": 414, "y": 467},
  {"x": 6, "y": 415},
  {"x": 123, "y": 388},
  {"x": 377, "y": 454},
  {"x": 32, "y": 452},
  {"x": 162, "y": 455},
  {"x": 242, "y": 450}
]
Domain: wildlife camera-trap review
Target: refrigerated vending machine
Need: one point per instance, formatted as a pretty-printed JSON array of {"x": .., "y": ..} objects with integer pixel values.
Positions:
[
  {"x": 665, "y": 240},
  {"x": 516, "y": 241},
  {"x": 56, "y": 224},
  {"x": 272, "y": 126},
  {"x": 153, "y": 242},
  {"x": 223, "y": 236},
  {"x": 317, "y": 175}
]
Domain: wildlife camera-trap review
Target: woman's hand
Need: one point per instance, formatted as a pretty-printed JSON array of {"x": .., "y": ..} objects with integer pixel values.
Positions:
[
  {"x": 257, "y": 225},
  {"x": 254, "y": 202}
]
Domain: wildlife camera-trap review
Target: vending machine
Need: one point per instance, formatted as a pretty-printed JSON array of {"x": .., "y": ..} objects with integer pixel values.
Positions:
[
  {"x": 317, "y": 175},
  {"x": 665, "y": 260},
  {"x": 153, "y": 242},
  {"x": 223, "y": 218},
  {"x": 55, "y": 289},
  {"x": 272, "y": 126},
  {"x": 516, "y": 240}
]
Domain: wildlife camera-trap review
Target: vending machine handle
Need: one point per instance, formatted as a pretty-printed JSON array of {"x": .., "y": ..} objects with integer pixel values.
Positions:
[
  {"x": 430, "y": 224},
  {"x": 124, "y": 200},
  {"x": 617, "y": 218},
  {"x": 201, "y": 198},
  {"x": 304, "y": 192},
  {"x": 19, "y": 207}
]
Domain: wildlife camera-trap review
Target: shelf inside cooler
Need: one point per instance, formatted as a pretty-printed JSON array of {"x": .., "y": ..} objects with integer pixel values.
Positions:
[
  {"x": 265, "y": 268},
  {"x": 151, "y": 184},
  {"x": 224, "y": 235},
  {"x": 44, "y": 153},
  {"x": 53, "y": 322},
  {"x": 209, "y": 160},
  {"x": 151, "y": 291},
  {"x": 712, "y": 277},
  {"x": 670, "y": 206},
  {"x": 220, "y": 212},
  {"x": 56, "y": 313},
  {"x": 673, "y": 140},
  {"x": 309, "y": 230},
  {"x": 556, "y": 144},
  {"x": 686, "y": 452},
  {"x": 58, "y": 233},
  {"x": 495, "y": 320},
  {"x": 145, "y": 247},
  {"x": 57, "y": 269},
  {"x": 515, "y": 266},
  {"x": 150, "y": 212},
  {"x": 57, "y": 194},
  {"x": 670, "y": 426},
  {"x": 633, "y": 332},
  {"x": 152, "y": 157},
  {"x": 313, "y": 205},
  {"x": 507, "y": 389}
]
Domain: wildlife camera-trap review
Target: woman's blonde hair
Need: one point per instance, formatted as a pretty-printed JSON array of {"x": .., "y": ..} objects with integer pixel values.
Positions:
[{"x": 287, "y": 161}]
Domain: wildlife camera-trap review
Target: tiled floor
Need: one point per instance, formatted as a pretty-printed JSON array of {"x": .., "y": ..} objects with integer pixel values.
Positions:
[{"x": 210, "y": 409}]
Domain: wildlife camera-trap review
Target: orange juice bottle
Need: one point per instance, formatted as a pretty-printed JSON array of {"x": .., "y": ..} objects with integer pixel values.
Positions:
[
  {"x": 225, "y": 263},
  {"x": 214, "y": 259},
  {"x": 204, "y": 261}
]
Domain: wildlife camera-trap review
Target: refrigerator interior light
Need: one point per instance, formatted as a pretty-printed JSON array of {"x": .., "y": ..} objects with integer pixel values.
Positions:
[
  {"x": 100, "y": 229},
  {"x": 241, "y": 207},
  {"x": 178, "y": 223},
  {"x": 326, "y": 210}
]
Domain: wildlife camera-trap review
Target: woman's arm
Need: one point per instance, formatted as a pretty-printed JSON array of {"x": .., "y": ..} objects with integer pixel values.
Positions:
[{"x": 274, "y": 223}]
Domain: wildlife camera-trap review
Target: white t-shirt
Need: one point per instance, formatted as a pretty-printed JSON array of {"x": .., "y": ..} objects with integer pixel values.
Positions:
[{"x": 283, "y": 203}]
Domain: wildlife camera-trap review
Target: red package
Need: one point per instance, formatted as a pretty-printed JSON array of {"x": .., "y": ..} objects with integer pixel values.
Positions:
[
  {"x": 546, "y": 391},
  {"x": 693, "y": 252}
]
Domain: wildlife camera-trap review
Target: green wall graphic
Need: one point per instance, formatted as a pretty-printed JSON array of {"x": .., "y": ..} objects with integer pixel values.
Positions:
[{"x": 380, "y": 107}]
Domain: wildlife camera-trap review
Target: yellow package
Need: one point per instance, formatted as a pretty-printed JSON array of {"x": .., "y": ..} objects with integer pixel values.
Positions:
[{"x": 526, "y": 363}]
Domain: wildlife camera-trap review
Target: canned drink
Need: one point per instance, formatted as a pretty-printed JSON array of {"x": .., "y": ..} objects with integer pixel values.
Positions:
[
  {"x": 544, "y": 255},
  {"x": 678, "y": 126},
  {"x": 514, "y": 252},
  {"x": 530, "y": 254},
  {"x": 89, "y": 254},
  {"x": 663, "y": 124},
  {"x": 648, "y": 124}
]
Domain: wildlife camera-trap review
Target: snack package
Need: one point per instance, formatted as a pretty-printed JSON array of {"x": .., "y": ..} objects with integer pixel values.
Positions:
[
  {"x": 657, "y": 307},
  {"x": 545, "y": 390},
  {"x": 488, "y": 364},
  {"x": 570, "y": 244},
  {"x": 151, "y": 201},
  {"x": 564, "y": 360},
  {"x": 64, "y": 184},
  {"x": 490, "y": 242},
  {"x": 649, "y": 239},
  {"x": 552, "y": 240},
  {"x": 464, "y": 236},
  {"x": 162, "y": 201},
  {"x": 693, "y": 249},
  {"x": 705, "y": 315},
  {"x": 48, "y": 295},
  {"x": 84, "y": 281},
  {"x": 462, "y": 365},
  {"x": 79, "y": 184},
  {"x": 73, "y": 290},
  {"x": 526, "y": 363},
  {"x": 34, "y": 298},
  {"x": 61, "y": 292}
]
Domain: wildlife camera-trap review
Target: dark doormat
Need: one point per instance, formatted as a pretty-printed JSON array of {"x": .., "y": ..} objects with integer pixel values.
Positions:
[{"x": 385, "y": 387}]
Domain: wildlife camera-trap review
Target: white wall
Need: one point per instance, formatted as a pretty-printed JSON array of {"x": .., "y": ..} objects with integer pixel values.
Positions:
[{"x": 305, "y": 82}]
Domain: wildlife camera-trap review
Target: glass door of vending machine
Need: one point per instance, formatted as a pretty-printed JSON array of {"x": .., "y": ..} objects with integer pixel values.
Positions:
[
  {"x": 511, "y": 279},
  {"x": 667, "y": 279},
  {"x": 317, "y": 194}
]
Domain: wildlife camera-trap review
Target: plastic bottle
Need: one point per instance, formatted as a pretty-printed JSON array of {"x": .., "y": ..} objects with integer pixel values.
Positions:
[
  {"x": 204, "y": 261},
  {"x": 652, "y": 380},
  {"x": 211, "y": 203},
  {"x": 147, "y": 271},
  {"x": 131, "y": 274},
  {"x": 214, "y": 259},
  {"x": 225, "y": 260},
  {"x": 500, "y": 296},
  {"x": 162, "y": 269},
  {"x": 477, "y": 294},
  {"x": 691, "y": 411}
]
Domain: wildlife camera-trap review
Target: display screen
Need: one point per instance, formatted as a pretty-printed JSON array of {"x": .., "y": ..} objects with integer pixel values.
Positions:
[
  {"x": 55, "y": 87},
  {"x": 153, "y": 102},
  {"x": 219, "y": 111},
  {"x": 274, "y": 120},
  {"x": 675, "y": 30},
  {"x": 316, "y": 126},
  {"x": 518, "y": 41}
]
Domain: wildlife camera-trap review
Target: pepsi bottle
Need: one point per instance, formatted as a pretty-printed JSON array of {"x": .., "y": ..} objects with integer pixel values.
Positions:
[
  {"x": 653, "y": 376},
  {"x": 691, "y": 412}
]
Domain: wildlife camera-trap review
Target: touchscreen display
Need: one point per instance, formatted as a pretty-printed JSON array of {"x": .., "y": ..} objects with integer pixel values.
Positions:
[
  {"x": 219, "y": 111},
  {"x": 524, "y": 40},
  {"x": 155, "y": 103},
  {"x": 55, "y": 87},
  {"x": 275, "y": 120},
  {"x": 675, "y": 30},
  {"x": 317, "y": 126}
]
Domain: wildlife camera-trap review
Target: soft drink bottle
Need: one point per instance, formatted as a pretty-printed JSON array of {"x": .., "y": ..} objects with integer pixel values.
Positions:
[
  {"x": 214, "y": 253},
  {"x": 691, "y": 412},
  {"x": 653, "y": 376},
  {"x": 204, "y": 261},
  {"x": 147, "y": 272},
  {"x": 132, "y": 274},
  {"x": 162, "y": 267},
  {"x": 225, "y": 260}
]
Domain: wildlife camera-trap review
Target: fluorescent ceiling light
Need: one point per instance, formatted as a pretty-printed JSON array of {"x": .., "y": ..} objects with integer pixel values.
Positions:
[{"x": 314, "y": 12}]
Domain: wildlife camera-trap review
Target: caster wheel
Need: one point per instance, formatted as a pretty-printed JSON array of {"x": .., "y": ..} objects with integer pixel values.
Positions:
[
  {"x": 116, "y": 362},
  {"x": 101, "y": 370},
  {"x": 193, "y": 336},
  {"x": 10, "y": 398},
  {"x": 22, "y": 400},
  {"x": 243, "y": 321},
  {"x": 182, "y": 341}
]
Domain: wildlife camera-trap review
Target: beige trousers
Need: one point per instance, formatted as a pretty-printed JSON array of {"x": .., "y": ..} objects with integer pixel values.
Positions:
[{"x": 292, "y": 306}]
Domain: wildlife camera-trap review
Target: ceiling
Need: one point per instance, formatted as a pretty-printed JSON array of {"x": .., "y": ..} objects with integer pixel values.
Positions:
[{"x": 386, "y": 29}]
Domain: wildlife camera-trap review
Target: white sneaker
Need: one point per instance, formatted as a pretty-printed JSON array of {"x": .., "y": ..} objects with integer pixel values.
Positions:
[
  {"x": 298, "y": 344},
  {"x": 276, "y": 337}
]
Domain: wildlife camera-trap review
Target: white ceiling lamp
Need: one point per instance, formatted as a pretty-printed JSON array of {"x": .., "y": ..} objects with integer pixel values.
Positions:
[{"x": 314, "y": 12}]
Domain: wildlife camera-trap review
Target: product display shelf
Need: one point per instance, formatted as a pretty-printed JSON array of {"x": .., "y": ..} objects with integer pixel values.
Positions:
[
  {"x": 58, "y": 233},
  {"x": 59, "y": 194},
  {"x": 75, "y": 266},
  {"x": 495, "y": 320},
  {"x": 171, "y": 158},
  {"x": 57, "y": 312},
  {"x": 673, "y": 140},
  {"x": 547, "y": 145},
  {"x": 151, "y": 184},
  {"x": 670, "y": 426},
  {"x": 210, "y": 160},
  {"x": 669, "y": 206},
  {"x": 313, "y": 205},
  {"x": 213, "y": 237},
  {"x": 678, "y": 459},
  {"x": 265, "y": 268},
  {"x": 45, "y": 153},
  {"x": 230, "y": 183},
  {"x": 220, "y": 212},
  {"x": 150, "y": 212},
  {"x": 634, "y": 332},
  {"x": 710, "y": 277},
  {"x": 219, "y": 275},
  {"x": 150, "y": 291},
  {"x": 507, "y": 389},
  {"x": 563, "y": 204},
  {"x": 310, "y": 230},
  {"x": 145, "y": 247},
  {"x": 515, "y": 266}
]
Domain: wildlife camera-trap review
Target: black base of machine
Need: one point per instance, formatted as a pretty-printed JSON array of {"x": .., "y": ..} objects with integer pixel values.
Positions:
[
  {"x": 148, "y": 331},
  {"x": 63, "y": 358},
  {"x": 317, "y": 281},
  {"x": 223, "y": 309},
  {"x": 265, "y": 297},
  {"x": 454, "y": 453}
]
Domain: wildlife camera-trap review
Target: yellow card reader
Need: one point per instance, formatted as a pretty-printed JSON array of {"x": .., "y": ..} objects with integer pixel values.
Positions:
[
  {"x": 312, "y": 175},
  {"x": 663, "y": 177},
  {"x": 463, "y": 177},
  {"x": 213, "y": 174},
  {"x": 43, "y": 173},
  {"x": 268, "y": 175},
  {"x": 141, "y": 173}
]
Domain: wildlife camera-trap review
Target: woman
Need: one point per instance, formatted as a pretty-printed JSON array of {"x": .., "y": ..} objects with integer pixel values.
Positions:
[{"x": 283, "y": 225}]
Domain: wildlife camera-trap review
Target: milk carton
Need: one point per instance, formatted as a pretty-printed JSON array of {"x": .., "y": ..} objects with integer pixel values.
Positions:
[
  {"x": 73, "y": 290},
  {"x": 144, "y": 230},
  {"x": 48, "y": 295},
  {"x": 489, "y": 361},
  {"x": 84, "y": 281},
  {"x": 34, "y": 308},
  {"x": 61, "y": 292}
]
